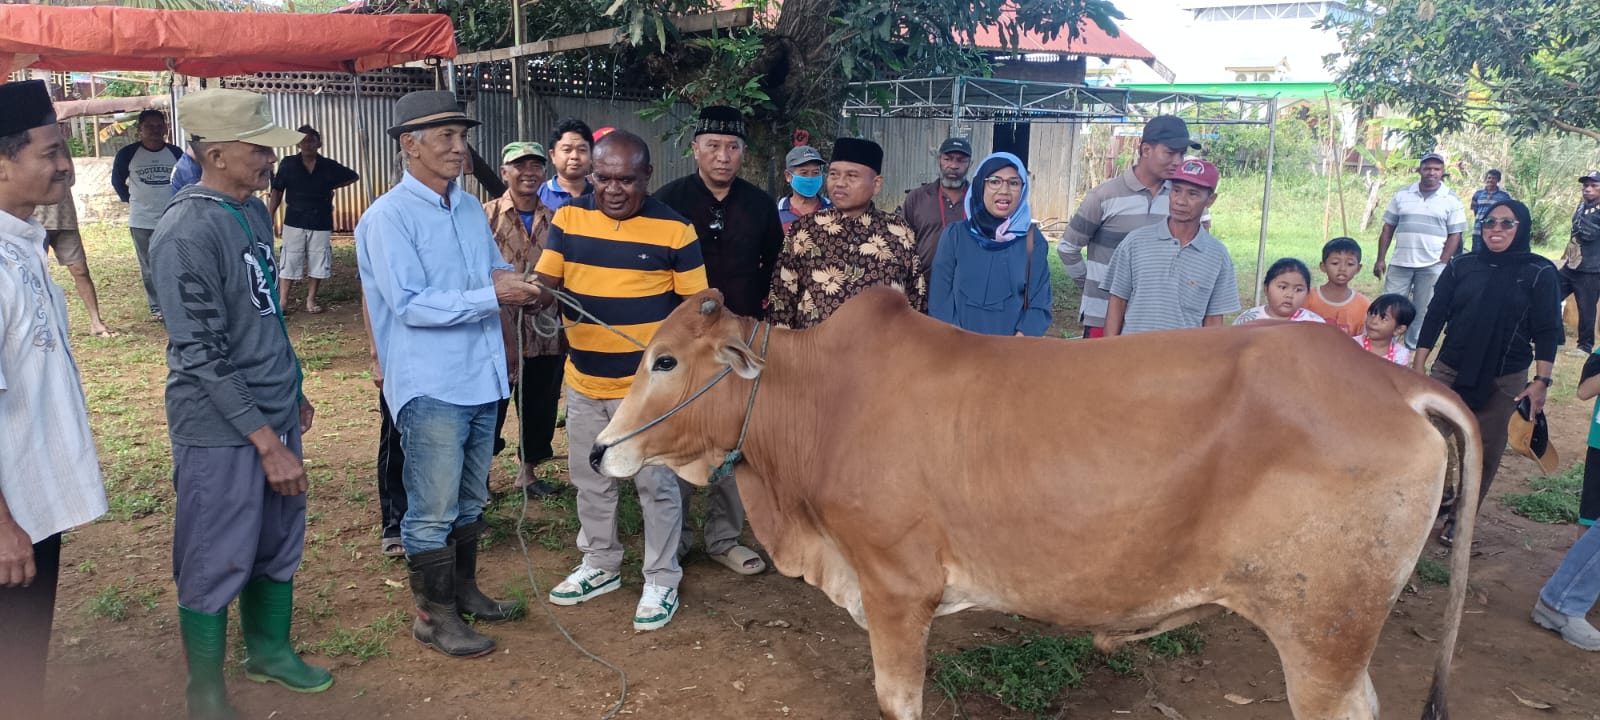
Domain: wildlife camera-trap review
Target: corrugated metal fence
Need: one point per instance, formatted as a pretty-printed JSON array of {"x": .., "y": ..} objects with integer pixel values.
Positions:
[
  {"x": 354, "y": 135},
  {"x": 911, "y": 158}
]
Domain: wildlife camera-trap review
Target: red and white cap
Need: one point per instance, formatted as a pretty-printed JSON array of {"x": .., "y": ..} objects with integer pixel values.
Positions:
[{"x": 1197, "y": 172}]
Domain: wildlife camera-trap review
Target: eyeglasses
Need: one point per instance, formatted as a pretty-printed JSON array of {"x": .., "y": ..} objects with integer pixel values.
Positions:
[
  {"x": 1503, "y": 224},
  {"x": 994, "y": 183},
  {"x": 716, "y": 219}
]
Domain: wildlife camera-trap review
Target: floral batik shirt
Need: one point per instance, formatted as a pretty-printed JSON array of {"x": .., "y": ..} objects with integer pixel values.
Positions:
[{"x": 827, "y": 258}]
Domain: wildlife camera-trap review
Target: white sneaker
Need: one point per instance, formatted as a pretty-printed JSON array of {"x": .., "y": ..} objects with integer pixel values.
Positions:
[
  {"x": 656, "y": 607},
  {"x": 584, "y": 584}
]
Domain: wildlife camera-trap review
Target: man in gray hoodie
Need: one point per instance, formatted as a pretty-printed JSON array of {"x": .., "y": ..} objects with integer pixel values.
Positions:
[{"x": 235, "y": 410}]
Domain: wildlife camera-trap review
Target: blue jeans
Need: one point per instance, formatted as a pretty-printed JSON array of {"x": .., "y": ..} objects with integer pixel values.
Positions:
[
  {"x": 1416, "y": 284},
  {"x": 448, "y": 449},
  {"x": 1576, "y": 584}
]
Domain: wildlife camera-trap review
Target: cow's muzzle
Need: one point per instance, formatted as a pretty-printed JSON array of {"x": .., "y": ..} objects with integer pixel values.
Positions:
[{"x": 596, "y": 455}]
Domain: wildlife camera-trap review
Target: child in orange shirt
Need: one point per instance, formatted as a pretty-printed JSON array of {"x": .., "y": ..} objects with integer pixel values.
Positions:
[{"x": 1334, "y": 300}]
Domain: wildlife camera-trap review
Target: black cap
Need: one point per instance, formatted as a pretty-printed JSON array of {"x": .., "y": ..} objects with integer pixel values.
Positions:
[
  {"x": 861, "y": 152},
  {"x": 956, "y": 144},
  {"x": 30, "y": 105},
  {"x": 1169, "y": 130},
  {"x": 1593, "y": 176},
  {"x": 720, "y": 120}
]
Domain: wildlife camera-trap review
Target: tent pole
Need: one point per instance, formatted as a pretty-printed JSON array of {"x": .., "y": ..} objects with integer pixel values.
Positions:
[{"x": 1266, "y": 198}]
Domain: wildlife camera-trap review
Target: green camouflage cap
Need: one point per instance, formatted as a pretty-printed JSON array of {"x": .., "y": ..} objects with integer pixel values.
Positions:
[{"x": 519, "y": 150}]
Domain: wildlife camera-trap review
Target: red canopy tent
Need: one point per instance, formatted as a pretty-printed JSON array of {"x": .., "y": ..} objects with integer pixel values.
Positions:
[{"x": 214, "y": 44}]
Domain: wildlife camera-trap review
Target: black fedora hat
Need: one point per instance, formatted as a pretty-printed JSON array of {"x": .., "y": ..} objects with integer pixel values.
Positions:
[{"x": 427, "y": 108}]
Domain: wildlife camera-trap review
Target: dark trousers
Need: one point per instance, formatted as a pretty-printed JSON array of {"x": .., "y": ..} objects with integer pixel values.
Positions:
[
  {"x": 1586, "y": 287},
  {"x": 391, "y": 470},
  {"x": 538, "y": 394},
  {"x": 1493, "y": 416},
  {"x": 1589, "y": 505},
  {"x": 25, "y": 617}
]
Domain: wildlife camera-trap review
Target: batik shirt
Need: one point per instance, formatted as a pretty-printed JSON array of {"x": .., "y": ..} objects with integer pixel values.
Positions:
[{"x": 827, "y": 258}]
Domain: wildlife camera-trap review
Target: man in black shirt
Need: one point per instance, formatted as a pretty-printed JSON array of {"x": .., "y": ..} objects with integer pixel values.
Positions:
[
  {"x": 308, "y": 180},
  {"x": 740, "y": 235},
  {"x": 1580, "y": 277}
]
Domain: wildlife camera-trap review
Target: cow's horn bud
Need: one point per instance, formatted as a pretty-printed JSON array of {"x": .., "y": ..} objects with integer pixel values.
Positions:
[{"x": 708, "y": 307}]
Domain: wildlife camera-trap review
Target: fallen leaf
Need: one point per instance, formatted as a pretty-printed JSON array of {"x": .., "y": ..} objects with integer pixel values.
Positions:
[
  {"x": 1187, "y": 679},
  {"x": 778, "y": 624},
  {"x": 1237, "y": 699},
  {"x": 738, "y": 685},
  {"x": 1421, "y": 634},
  {"x": 1168, "y": 712},
  {"x": 1535, "y": 704},
  {"x": 393, "y": 583}
]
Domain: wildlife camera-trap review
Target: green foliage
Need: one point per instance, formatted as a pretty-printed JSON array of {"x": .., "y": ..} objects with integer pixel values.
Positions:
[
  {"x": 362, "y": 643},
  {"x": 125, "y": 88},
  {"x": 1524, "y": 65},
  {"x": 1433, "y": 572},
  {"x": 1026, "y": 676},
  {"x": 721, "y": 79},
  {"x": 1187, "y": 640},
  {"x": 1029, "y": 676},
  {"x": 1243, "y": 148},
  {"x": 1554, "y": 498},
  {"x": 109, "y": 603}
]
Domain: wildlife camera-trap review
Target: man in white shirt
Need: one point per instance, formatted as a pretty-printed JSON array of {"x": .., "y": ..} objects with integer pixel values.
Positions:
[
  {"x": 50, "y": 477},
  {"x": 1424, "y": 223}
]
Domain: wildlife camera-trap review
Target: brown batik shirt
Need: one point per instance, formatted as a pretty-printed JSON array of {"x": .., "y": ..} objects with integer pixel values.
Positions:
[
  {"x": 521, "y": 248},
  {"x": 827, "y": 258}
]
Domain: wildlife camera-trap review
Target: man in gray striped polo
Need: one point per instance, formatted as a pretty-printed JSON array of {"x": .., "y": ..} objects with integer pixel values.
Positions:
[
  {"x": 1173, "y": 274},
  {"x": 1117, "y": 207},
  {"x": 1424, "y": 223}
]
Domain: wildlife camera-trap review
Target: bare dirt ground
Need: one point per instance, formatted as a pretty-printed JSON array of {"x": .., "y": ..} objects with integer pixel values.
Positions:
[{"x": 761, "y": 647}]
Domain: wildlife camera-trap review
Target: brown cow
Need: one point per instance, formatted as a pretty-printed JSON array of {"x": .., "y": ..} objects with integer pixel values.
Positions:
[{"x": 910, "y": 469}]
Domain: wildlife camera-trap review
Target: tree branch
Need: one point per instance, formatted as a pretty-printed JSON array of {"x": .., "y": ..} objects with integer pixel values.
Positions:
[{"x": 1569, "y": 127}]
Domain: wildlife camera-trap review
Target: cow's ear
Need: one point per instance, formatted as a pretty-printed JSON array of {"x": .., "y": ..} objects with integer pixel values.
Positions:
[{"x": 737, "y": 355}]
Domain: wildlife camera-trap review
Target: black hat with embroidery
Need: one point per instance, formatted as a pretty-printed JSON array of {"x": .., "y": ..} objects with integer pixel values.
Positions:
[
  {"x": 860, "y": 152},
  {"x": 720, "y": 120},
  {"x": 30, "y": 105}
]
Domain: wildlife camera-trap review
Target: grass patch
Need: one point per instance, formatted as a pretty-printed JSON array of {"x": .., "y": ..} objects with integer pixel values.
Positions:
[
  {"x": 109, "y": 603},
  {"x": 1025, "y": 676},
  {"x": 1433, "y": 572},
  {"x": 1554, "y": 498},
  {"x": 1030, "y": 676},
  {"x": 362, "y": 643}
]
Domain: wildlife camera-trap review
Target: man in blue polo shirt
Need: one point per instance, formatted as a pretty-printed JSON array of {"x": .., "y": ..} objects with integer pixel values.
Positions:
[{"x": 569, "y": 147}]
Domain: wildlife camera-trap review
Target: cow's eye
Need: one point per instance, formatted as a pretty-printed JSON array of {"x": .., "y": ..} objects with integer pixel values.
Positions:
[{"x": 665, "y": 363}]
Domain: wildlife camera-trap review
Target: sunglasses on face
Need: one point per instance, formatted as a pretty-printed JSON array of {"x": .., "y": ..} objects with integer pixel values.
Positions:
[{"x": 1492, "y": 223}]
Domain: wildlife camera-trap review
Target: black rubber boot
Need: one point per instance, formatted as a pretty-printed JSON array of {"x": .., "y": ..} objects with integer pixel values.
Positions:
[
  {"x": 469, "y": 599},
  {"x": 433, "y": 588}
]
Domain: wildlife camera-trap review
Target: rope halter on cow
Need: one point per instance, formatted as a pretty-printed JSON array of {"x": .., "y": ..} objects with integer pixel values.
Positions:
[{"x": 734, "y": 456}]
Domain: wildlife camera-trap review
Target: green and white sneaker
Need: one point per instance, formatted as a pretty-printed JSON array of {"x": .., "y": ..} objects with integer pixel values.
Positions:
[
  {"x": 584, "y": 584},
  {"x": 656, "y": 607}
]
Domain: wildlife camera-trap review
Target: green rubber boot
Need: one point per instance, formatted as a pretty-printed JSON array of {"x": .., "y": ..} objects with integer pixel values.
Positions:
[
  {"x": 265, "y": 608},
  {"x": 205, "y": 644}
]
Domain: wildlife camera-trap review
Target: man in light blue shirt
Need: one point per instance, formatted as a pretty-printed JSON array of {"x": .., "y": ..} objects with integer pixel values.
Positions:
[{"x": 434, "y": 281}]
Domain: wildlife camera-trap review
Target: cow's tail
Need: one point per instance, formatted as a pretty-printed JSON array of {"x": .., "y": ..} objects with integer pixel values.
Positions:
[{"x": 1465, "y": 466}]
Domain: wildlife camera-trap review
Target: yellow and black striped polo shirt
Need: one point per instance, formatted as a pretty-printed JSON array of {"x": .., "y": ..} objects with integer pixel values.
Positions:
[{"x": 629, "y": 273}]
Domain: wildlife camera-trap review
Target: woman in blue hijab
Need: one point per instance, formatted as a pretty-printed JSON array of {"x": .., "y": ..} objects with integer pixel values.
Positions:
[{"x": 990, "y": 274}]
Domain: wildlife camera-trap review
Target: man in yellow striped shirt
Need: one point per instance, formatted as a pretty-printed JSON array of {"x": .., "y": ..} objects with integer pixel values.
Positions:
[{"x": 629, "y": 259}]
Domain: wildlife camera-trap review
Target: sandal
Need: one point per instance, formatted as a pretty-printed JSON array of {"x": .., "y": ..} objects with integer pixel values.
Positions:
[
  {"x": 742, "y": 560},
  {"x": 105, "y": 333},
  {"x": 393, "y": 548},
  {"x": 315, "y": 309}
]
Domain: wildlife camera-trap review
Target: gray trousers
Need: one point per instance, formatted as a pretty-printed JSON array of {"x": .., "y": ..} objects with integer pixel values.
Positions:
[
  {"x": 1416, "y": 284},
  {"x": 724, "y": 517},
  {"x": 597, "y": 499},
  {"x": 141, "y": 247},
  {"x": 231, "y": 527}
]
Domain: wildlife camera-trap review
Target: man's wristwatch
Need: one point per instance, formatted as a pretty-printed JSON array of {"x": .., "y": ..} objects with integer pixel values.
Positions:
[{"x": 1541, "y": 378}]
